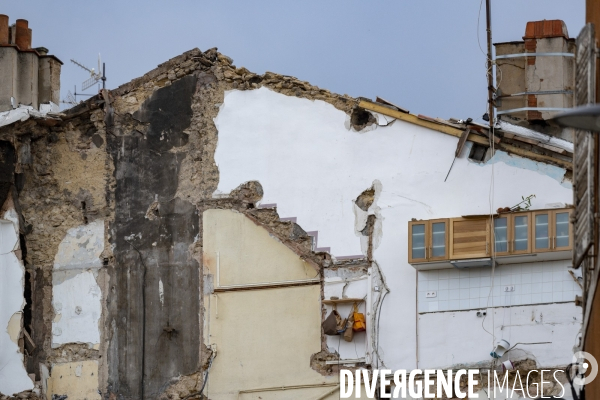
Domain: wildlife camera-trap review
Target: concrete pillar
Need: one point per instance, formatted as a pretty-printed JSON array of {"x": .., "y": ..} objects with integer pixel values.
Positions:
[
  {"x": 27, "y": 78},
  {"x": 49, "y": 79},
  {"x": 8, "y": 77}
]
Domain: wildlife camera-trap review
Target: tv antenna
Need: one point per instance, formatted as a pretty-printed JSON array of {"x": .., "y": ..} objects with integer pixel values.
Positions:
[
  {"x": 70, "y": 99},
  {"x": 95, "y": 76}
]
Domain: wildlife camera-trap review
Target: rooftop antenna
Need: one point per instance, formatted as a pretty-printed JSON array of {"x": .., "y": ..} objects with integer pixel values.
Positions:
[
  {"x": 95, "y": 76},
  {"x": 70, "y": 99}
]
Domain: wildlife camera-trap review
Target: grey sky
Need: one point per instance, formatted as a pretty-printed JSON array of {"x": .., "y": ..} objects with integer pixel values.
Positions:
[{"x": 420, "y": 54}]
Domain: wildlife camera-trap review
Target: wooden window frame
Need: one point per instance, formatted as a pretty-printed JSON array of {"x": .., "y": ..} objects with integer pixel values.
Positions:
[
  {"x": 533, "y": 231},
  {"x": 429, "y": 237},
  {"x": 529, "y": 232},
  {"x": 508, "y": 230},
  {"x": 561, "y": 211},
  {"x": 412, "y": 260}
]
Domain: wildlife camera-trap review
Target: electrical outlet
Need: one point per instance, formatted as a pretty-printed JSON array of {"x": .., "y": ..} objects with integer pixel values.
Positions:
[
  {"x": 376, "y": 288},
  {"x": 509, "y": 288},
  {"x": 431, "y": 294}
]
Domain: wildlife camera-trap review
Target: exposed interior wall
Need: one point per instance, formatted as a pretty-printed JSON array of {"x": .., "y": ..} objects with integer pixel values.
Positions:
[
  {"x": 78, "y": 379},
  {"x": 153, "y": 312},
  {"x": 411, "y": 164},
  {"x": 467, "y": 289},
  {"x": 76, "y": 295},
  {"x": 59, "y": 177},
  {"x": 255, "y": 329},
  {"x": 13, "y": 376},
  {"x": 465, "y": 342},
  {"x": 357, "y": 288}
]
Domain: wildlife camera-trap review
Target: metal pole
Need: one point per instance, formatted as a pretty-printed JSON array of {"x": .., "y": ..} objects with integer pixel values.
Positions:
[
  {"x": 490, "y": 63},
  {"x": 103, "y": 75}
]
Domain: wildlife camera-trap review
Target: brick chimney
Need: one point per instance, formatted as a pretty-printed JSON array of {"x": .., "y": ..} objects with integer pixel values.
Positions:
[
  {"x": 28, "y": 76},
  {"x": 536, "y": 76}
]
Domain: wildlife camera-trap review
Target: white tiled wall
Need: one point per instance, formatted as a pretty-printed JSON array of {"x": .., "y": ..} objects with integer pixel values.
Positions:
[{"x": 463, "y": 289}]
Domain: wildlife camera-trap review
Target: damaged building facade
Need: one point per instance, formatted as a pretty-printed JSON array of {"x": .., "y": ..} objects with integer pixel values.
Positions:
[{"x": 189, "y": 232}]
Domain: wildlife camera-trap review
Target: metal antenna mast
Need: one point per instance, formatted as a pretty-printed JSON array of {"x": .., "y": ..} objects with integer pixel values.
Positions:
[
  {"x": 490, "y": 63},
  {"x": 95, "y": 76}
]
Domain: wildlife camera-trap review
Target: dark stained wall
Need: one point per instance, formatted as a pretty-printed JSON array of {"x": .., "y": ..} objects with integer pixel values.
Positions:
[{"x": 153, "y": 336}]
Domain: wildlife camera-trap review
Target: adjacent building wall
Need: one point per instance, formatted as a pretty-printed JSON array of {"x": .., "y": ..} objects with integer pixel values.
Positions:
[
  {"x": 29, "y": 77},
  {"x": 263, "y": 336},
  {"x": 313, "y": 145}
]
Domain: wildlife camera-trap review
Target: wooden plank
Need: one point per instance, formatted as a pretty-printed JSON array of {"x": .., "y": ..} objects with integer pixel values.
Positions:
[
  {"x": 343, "y": 301},
  {"x": 536, "y": 157},
  {"x": 461, "y": 142},
  {"x": 384, "y": 101},
  {"x": 413, "y": 119}
]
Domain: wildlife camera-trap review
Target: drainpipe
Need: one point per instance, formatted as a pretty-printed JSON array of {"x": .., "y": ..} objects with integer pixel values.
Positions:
[{"x": 417, "y": 318}]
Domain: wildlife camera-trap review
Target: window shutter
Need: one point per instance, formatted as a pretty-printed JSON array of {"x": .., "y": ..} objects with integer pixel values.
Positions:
[{"x": 584, "y": 141}]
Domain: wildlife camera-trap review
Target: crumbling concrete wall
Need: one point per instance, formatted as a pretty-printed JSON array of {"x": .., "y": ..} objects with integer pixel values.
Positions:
[
  {"x": 60, "y": 177},
  {"x": 153, "y": 309},
  {"x": 13, "y": 376}
]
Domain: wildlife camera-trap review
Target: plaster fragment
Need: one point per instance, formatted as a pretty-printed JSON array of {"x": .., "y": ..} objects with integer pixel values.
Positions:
[
  {"x": 14, "y": 327},
  {"x": 13, "y": 377},
  {"x": 81, "y": 247},
  {"x": 161, "y": 292},
  {"x": 76, "y": 294}
]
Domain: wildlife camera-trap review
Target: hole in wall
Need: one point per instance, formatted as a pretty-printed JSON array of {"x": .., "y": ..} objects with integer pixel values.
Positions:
[
  {"x": 83, "y": 210},
  {"x": 478, "y": 152},
  {"x": 361, "y": 118},
  {"x": 28, "y": 289}
]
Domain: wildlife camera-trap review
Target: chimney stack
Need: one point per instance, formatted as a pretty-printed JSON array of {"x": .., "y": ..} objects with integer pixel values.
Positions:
[
  {"x": 27, "y": 76},
  {"x": 3, "y": 29},
  {"x": 536, "y": 76},
  {"x": 23, "y": 35}
]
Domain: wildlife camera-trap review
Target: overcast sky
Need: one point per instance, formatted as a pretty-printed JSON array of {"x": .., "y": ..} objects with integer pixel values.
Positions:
[{"x": 420, "y": 54}]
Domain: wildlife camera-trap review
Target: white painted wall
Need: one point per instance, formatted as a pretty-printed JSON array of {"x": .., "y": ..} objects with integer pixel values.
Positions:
[
  {"x": 76, "y": 295},
  {"x": 313, "y": 167},
  {"x": 13, "y": 376},
  {"x": 451, "y": 338}
]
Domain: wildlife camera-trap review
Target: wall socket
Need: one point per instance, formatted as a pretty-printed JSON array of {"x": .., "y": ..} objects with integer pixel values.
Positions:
[
  {"x": 509, "y": 288},
  {"x": 431, "y": 294}
]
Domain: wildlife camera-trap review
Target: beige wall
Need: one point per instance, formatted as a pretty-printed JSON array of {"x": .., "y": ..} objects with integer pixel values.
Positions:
[
  {"x": 78, "y": 379},
  {"x": 247, "y": 253},
  {"x": 264, "y": 337}
]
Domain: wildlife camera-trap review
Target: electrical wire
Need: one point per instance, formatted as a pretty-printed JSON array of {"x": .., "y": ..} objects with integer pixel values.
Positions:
[
  {"x": 198, "y": 393},
  {"x": 339, "y": 359},
  {"x": 478, "y": 18},
  {"x": 377, "y": 315}
]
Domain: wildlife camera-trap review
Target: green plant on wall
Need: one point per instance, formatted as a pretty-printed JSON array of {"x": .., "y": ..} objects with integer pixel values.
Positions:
[{"x": 523, "y": 205}]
